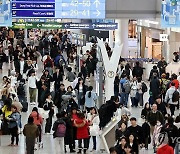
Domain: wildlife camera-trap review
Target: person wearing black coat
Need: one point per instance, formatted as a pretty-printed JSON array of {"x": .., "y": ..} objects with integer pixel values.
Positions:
[
  {"x": 68, "y": 139},
  {"x": 48, "y": 78},
  {"x": 44, "y": 92},
  {"x": 81, "y": 92},
  {"x": 172, "y": 131},
  {"x": 137, "y": 71},
  {"x": 145, "y": 111},
  {"x": 58, "y": 96},
  {"x": 39, "y": 86},
  {"x": 84, "y": 70},
  {"x": 122, "y": 131},
  {"x": 161, "y": 106},
  {"x": 136, "y": 130},
  {"x": 133, "y": 143},
  {"x": 155, "y": 87},
  {"x": 18, "y": 66},
  {"x": 106, "y": 111},
  {"x": 146, "y": 137},
  {"x": 120, "y": 145},
  {"x": 154, "y": 70},
  {"x": 2, "y": 57},
  {"x": 58, "y": 78},
  {"x": 162, "y": 64},
  {"x": 116, "y": 86}
]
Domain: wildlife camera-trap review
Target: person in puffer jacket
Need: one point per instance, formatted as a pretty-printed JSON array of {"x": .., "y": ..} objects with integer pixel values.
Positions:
[{"x": 82, "y": 132}]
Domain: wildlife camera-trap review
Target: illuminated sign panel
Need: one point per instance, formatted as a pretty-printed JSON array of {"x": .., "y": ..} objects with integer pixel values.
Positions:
[{"x": 68, "y": 9}]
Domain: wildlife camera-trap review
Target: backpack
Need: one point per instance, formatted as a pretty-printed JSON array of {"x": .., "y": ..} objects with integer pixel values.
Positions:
[
  {"x": 144, "y": 87},
  {"x": 20, "y": 90},
  {"x": 127, "y": 87},
  {"x": 61, "y": 129},
  {"x": 175, "y": 96},
  {"x": 48, "y": 64}
]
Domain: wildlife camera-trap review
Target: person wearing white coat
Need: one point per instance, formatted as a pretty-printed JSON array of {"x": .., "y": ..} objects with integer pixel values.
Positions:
[{"x": 93, "y": 119}]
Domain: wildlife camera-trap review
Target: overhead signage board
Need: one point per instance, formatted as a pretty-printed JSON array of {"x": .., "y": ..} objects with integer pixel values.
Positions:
[
  {"x": 5, "y": 13},
  {"x": 37, "y": 25},
  {"x": 110, "y": 26},
  {"x": 170, "y": 13},
  {"x": 67, "y": 9}
]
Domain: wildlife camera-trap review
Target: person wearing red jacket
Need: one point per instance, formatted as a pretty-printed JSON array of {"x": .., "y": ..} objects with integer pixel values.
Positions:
[
  {"x": 82, "y": 132},
  {"x": 38, "y": 120},
  {"x": 165, "y": 149},
  {"x": 174, "y": 79},
  {"x": 48, "y": 64}
]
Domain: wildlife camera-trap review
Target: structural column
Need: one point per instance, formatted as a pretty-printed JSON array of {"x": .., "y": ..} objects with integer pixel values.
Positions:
[
  {"x": 26, "y": 36},
  {"x": 121, "y": 36},
  {"x": 111, "y": 38}
]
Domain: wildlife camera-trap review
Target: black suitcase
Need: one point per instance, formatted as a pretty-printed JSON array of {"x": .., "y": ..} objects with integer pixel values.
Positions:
[{"x": 24, "y": 103}]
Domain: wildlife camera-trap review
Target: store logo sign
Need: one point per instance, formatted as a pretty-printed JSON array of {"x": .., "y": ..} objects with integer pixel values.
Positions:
[{"x": 164, "y": 37}]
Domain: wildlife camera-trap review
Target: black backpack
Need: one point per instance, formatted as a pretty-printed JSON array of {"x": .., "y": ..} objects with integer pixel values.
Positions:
[
  {"x": 175, "y": 96},
  {"x": 144, "y": 87},
  {"x": 20, "y": 90},
  {"x": 48, "y": 64}
]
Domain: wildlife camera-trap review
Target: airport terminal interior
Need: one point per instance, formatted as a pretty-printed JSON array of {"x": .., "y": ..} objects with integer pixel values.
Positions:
[{"x": 89, "y": 76}]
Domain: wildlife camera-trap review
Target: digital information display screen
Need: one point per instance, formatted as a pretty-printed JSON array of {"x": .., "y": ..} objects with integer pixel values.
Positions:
[
  {"x": 5, "y": 13},
  {"x": 170, "y": 13},
  {"x": 68, "y": 9}
]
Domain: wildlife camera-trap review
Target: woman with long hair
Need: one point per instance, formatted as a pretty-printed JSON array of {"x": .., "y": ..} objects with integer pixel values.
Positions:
[
  {"x": 82, "y": 132},
  {"x": 81, "y": 92},
  {"x": 93, "y": 119},
  {"x": 90, "y": 99}
]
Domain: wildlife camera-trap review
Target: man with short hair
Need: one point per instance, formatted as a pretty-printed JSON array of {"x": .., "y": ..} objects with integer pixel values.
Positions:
[
  {"x": 135, "y": 129},
  {"x": 31, "y": 132},
  {"x": 154, "y": 116},
  {"x": 169, "y": 98}
]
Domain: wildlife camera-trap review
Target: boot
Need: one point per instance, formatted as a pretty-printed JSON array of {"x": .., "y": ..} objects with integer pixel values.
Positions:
[{"x": 85, "y": 151}]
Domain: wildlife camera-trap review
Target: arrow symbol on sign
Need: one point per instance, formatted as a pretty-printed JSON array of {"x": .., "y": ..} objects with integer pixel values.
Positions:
[
  {"x": 66, "y": 25},
  {"x": 96, "y": 2},
  {"x": 97, "y": 13},
  {"x": 38, "y": 25},
  {"x": 93, "y": 25}
]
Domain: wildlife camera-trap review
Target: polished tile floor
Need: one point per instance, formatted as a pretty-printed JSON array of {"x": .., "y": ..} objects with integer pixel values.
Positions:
[{"x": 48, "y": 142}]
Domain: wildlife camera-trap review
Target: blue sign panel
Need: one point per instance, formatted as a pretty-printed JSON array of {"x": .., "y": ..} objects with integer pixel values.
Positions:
[
  {"x": 170, "y": 13},
  {"x": 68, "y": 9},
  {"x": 5, "y": 13},
  {"x": 105, "y": 26}
]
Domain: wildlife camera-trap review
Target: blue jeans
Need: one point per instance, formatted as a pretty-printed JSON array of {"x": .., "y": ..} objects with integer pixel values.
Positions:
[
  {"x": 124, "y": 98},
  {"x": 134, "y": 101}
]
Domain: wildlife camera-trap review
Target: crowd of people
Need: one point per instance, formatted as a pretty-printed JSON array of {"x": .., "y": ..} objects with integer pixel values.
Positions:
[{"x": 69, "y": 94}]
